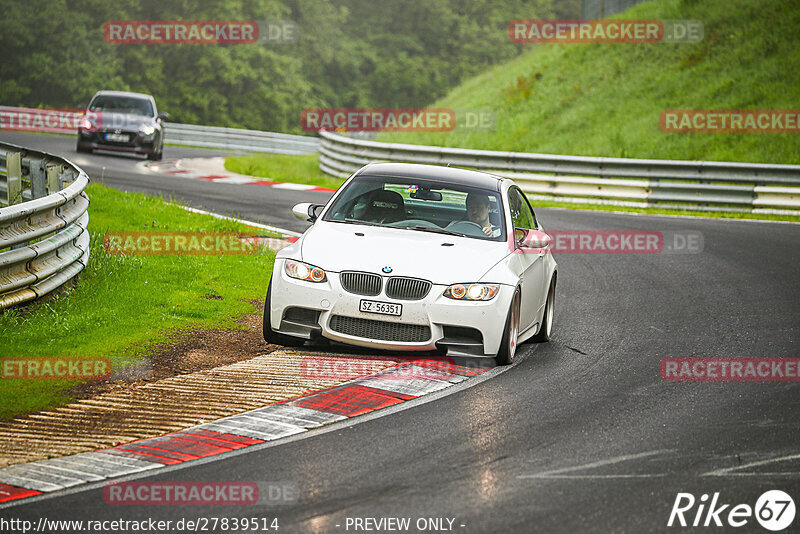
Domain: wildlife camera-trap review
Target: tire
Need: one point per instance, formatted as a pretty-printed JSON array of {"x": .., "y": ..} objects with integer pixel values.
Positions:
[
  {"x": 546, "y": 328},
  {"x": 508, "y": 347},
  {"x": 272, "y": 337},
  {"x": 81, "y": 150}
]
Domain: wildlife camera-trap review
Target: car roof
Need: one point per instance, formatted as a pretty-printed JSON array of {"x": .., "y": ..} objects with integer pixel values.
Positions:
[
  {"x": 448, "y": 175},
  {"x": 123, "y": 93}
]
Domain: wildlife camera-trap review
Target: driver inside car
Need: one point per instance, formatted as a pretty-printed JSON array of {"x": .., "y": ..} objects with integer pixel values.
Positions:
[{"x": 478, "y": 212}]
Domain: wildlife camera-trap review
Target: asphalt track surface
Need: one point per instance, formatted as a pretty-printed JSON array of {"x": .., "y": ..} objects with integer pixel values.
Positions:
[{"x": 581, "y": 435}]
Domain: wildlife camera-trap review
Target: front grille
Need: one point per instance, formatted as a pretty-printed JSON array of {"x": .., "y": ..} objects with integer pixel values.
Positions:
[
  {"x": 407, "y": 288},
  {"x": 380, "y": 330},
  {"x": 361, "y": 283}
]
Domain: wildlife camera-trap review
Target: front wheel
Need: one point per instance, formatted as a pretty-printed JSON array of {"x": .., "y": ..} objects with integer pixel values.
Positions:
[
  {"x": 546, "y": 328},
  {"x": 508, "y": 347},
  {"x": 271, "y": 336}
]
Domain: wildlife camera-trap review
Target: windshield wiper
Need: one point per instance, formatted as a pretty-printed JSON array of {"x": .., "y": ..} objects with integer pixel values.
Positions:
[
  {"x": 432, "y": 230},
  {"x": 357, "y": 221}
]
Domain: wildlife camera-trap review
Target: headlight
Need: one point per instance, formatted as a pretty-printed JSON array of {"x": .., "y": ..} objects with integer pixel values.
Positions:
[
  {"x": 304, "y": 271},
  {"x": 147, "y": 129},
  {"x": 472, "y": 291},
  {"x": 86, "y": 124}
]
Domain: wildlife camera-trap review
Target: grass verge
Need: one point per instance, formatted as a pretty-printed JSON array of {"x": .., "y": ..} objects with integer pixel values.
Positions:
[
  {"x": 606, "y": 99},
  {"x": 122, "y": 306},
  {"x": 283, "y": 168}
]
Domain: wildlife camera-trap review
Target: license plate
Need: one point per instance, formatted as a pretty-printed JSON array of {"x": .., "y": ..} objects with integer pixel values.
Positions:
[
  {"x": 117, "y": 138},
  {"x": 385, "y": 308}
]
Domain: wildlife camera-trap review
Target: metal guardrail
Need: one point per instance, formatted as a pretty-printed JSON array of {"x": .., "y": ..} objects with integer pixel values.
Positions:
[
  {"x": 691, "y": 185},
  {"x": 66, "y": 121},
  {"x": 236, "y": 139},
  {"x": 43, "y": 219}
]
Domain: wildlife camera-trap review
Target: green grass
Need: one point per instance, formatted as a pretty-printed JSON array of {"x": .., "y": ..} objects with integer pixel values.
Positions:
[
  {"x": 606, "y": 99},
  {"x": 283, "y": 168},
  {"x": 123, "y": 305}
]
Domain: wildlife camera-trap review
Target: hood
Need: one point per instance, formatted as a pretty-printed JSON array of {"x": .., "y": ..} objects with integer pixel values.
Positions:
[
  {"x": 336, "y": 247},
  {"x": 108, "y": 120}
]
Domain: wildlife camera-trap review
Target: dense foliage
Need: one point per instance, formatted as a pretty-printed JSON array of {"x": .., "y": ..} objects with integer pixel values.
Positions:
[{"x": 349, "y": 53}]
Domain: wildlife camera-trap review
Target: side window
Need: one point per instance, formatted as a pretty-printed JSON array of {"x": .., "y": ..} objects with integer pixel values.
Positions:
[{"x": 521, "y": 212}]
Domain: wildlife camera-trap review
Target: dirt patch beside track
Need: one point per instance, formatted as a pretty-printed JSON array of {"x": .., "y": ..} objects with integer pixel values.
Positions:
[{"x": 203, "y": 376}]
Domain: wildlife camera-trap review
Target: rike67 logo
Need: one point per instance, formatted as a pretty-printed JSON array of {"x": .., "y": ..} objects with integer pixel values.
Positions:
[{"x": 774, "y": 510}]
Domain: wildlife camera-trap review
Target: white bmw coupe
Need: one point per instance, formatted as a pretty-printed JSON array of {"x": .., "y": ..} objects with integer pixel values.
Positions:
[{"x": 416, "y": 257}]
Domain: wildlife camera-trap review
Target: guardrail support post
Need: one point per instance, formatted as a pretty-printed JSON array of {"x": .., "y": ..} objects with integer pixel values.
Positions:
[
  {"x": 37, "y": 180},
  {"x": 52, "y": 178},
  {"x": 14, "y": 177}
]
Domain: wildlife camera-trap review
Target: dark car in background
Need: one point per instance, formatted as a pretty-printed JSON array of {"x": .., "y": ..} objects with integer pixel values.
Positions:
[{"x": 123, "y": 122}]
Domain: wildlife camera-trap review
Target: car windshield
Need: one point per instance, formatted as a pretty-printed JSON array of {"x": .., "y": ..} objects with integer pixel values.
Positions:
[
  {"x": 419, "y": 205},
  {"x": 122, "y": 104}
]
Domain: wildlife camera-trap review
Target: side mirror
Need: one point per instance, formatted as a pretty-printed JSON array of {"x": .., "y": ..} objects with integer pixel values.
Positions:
[
  {"x": 163, "y": 116},
  {"x": 306, "y": 211},
  {"x": 532, "y": 238}
]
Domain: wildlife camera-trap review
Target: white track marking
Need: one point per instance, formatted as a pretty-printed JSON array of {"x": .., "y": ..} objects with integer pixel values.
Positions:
[
  {"x": 248, "y": 223},
  {"x": 728, "y": 471},
  {"x": 585, "y": 477},
  {"x": 558, "y": 473},
  {"x": 298, "y": 187},
  {"x": 235, "y": 180}
]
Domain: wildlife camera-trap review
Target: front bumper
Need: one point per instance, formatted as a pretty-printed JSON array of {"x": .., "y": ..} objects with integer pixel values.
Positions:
[
  {"x": 334, "y": 314},
  {"x": 136, "y": 144}
]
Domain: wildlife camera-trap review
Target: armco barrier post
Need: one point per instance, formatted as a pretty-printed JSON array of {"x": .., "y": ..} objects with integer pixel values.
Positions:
[
  {"x": 38, "y": 180},
  {"x": 14, "y": 177},
  {"x": 52, "y": 179}
]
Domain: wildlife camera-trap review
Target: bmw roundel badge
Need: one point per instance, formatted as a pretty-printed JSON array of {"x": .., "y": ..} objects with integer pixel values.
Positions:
[{"x": 387, "y": 269}]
